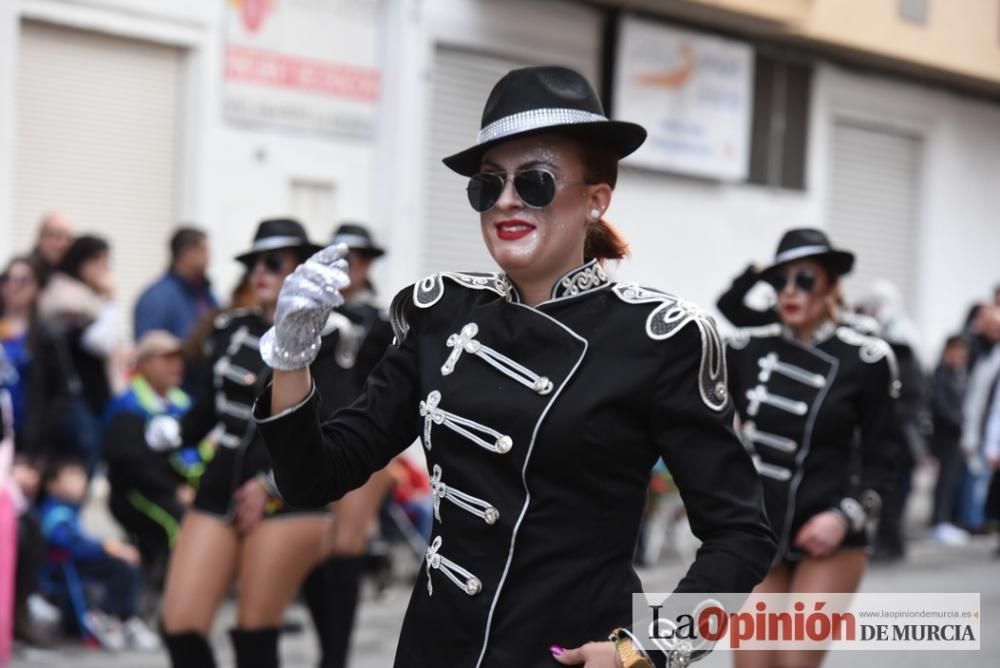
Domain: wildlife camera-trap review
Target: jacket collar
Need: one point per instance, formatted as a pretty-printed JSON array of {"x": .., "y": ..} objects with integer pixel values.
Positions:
[
  {"x": 588, "y": 277},
  {"x": 825, "y": 331}
]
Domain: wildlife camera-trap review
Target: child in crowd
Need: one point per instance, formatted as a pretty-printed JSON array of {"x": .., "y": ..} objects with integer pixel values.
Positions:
[{"x": 111, "y": 564}]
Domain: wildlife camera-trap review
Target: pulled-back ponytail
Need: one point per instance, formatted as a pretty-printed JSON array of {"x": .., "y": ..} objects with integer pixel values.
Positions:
[{"x": 604, "y": 242}]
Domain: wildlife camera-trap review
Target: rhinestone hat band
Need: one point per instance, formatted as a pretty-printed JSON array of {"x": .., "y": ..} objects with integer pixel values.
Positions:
[{"x": 534, "y": 119}]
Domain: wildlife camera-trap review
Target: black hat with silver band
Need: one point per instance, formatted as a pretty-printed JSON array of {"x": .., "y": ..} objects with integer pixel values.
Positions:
[
  {"x": 813, "y": 244},
  {"x": 537, "y": 100},
  {"x": 357, "y": 238},
  {"x": 278, "y": 234}
]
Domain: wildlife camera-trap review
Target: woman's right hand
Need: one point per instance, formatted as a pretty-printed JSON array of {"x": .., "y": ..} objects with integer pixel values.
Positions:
[
  {"x": 590, "y": 655},
  {"x": 307, "y": 298}
]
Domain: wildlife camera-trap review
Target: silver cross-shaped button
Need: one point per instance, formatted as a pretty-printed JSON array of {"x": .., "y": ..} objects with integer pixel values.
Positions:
[{"x": 463, "y": 342}]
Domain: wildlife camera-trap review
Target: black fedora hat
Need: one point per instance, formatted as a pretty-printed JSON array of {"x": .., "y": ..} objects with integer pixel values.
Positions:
[
  {"x": 357, "y": 238},
  {"x": 810, "y": 243},
  {"x": 277, "y": 234},
  {"x": 535, "y": 100}
]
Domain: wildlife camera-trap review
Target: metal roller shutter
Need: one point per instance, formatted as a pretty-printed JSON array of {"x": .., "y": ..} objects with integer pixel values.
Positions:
[
  {"x": 96, "y": 137},
  {"x": 875, "y": 176}
]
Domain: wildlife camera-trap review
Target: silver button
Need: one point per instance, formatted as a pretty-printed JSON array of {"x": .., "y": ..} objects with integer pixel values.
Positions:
[
  {"x": 504, "y": 444},
  {"x": 491, "y": 515},
  {"x": 473, "y": 586}
]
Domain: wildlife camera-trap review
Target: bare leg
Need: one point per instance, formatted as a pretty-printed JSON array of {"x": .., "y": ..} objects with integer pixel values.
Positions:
[
  {"x": 840, "y": 572},
  {"x": 354, "y": 514},
  {"x": 777, "y": 581},
  {"x": 274, "y": 560},
  {"x": 202, "y": 567}
]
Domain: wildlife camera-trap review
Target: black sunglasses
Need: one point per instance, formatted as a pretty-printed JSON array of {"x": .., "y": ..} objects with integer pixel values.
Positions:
[
  {"x": 803, "y": 279},
  {"x": 535, "y": 187},
  {"x": 274, "y": 263}
]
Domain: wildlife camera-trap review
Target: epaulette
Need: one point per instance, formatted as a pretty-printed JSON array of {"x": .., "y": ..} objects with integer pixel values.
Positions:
[{"x": 669, "y": 317}]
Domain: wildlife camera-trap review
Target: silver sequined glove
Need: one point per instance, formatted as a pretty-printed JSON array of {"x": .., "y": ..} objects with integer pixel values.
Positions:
[{"x": 307, "y": 298}]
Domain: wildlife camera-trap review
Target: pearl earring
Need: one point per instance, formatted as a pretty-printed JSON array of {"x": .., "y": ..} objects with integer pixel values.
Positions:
[{"x": 595, "y": 214}]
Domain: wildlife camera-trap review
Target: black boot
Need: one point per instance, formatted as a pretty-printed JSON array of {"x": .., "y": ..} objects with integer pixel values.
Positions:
[
  {"x": 331, "y": 592},
  {"x": 189, "y": 650},
  {"x": 255, "y": 648}
]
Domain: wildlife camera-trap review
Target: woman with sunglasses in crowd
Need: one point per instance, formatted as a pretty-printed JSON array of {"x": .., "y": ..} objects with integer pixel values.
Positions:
[
  {"x": 543, "y": 396},
  {"x": 815, "y": 405},
  {"x": 238, "y": 527}
]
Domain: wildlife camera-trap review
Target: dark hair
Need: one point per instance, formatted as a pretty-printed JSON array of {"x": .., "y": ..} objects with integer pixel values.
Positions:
[
  {"x": 54, "y": 467},
  {"x": 28, "y": 261},
  {"x": 183, "y": 239},
  {"x": 86, "y": 247},
  {"x": 604, "y": 241},
  {"x": 955, "y": 340}
]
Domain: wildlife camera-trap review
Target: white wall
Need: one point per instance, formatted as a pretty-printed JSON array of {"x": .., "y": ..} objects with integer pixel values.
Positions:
[
  {"x": 229, "y": 177},
  {"x": 690, "y": 236}
]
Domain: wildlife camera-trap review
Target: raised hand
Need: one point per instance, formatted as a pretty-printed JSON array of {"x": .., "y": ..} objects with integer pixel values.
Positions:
[{"x": 307, "y": 298}]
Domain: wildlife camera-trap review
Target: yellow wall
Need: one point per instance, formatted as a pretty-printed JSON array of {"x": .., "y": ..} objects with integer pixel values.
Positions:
[{"x": 961, "y": 38}]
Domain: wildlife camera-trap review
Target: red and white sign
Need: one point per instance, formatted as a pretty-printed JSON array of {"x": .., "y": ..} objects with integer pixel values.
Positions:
[{"x": 302, "y": 64}]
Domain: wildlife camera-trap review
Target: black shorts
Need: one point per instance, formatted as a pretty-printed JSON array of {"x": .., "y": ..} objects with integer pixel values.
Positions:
[{"x": 223, "y": 476}]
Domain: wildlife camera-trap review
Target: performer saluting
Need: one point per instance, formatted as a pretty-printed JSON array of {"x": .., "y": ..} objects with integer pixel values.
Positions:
[
  {"x": 543, "y": 396},
  {"x": 815, "y": 402}
]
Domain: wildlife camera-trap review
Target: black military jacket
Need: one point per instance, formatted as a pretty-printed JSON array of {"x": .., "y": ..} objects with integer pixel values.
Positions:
[
  {"x": 541, "y": 426},
  {"x": 353, "y": 340},
  {"x": 819, "y": 418}
]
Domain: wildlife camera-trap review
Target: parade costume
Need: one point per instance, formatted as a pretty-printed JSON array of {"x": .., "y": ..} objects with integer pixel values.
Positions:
[
  {"x": 223, "y": 413},
  {"x": 818, "y": 416},
  {"x": 512, "y": 404},
  {"x": 332, "y": 589},
  {"x": 541, "y": 425}
]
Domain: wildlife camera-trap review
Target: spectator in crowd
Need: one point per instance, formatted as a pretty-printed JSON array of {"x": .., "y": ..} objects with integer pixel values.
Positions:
[
  {"x": 182, "y": 296},
  {"x": 975, "y": 413},
  {"x": 112, "y": 565},
  {"x": 947, "y": 393},
  {"x": 150, "y": 490},
  {"x": 884, "y": 303},
  {"x": 55, "y": 235},
  {"x": 19, "y": 287},
  {"x": 996, "y": 295},
  {"x": 77, "y": 356},
  {"x": 30, "y": 553},
  {"x": 991, "y": 454}
]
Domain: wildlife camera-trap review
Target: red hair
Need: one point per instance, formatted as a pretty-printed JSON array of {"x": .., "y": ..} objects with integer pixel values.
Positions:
[{"x": 604, "y": 242}]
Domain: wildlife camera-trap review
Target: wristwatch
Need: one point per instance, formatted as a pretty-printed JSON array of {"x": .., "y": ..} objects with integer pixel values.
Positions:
[{"x": 629, "y": 653}]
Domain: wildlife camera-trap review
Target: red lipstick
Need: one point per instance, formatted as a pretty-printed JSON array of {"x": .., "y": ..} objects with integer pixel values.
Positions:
[{"x": 512, "y": 230}]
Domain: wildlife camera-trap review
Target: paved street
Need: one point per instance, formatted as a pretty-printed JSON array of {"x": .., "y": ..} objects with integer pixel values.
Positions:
[{"x": 930, "y": 568}]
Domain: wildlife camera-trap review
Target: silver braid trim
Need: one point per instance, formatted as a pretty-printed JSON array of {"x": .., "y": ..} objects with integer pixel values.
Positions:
[{"x": 535, "y": 119}]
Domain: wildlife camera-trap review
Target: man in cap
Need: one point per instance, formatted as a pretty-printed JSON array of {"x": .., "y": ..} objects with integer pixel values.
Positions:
[{"x": 150, "y": 490}]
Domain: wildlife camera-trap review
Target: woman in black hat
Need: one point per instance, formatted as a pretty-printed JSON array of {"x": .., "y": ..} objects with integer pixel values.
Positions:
[
  {"x": 815, "y": 402},
  {"x": 332, "y": 589},
  {"x": 542, "y": 395},
  {"x": 238, "y": 526}
]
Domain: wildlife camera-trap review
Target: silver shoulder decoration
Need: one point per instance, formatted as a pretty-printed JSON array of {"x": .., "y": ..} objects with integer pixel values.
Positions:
[
  {"x": 429, "y": 291},
  {"x": 872, "y": 350},
  {"x": 667, "y": 319},
  {"x": 740, "y": 339}
]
